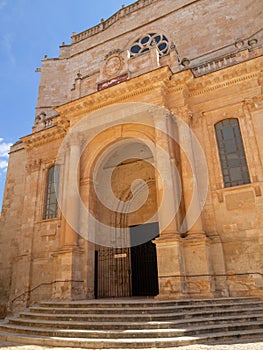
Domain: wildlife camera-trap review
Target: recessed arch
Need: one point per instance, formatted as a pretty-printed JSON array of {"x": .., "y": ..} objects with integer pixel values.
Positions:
[
  {"x": 126, "y": 159},
  {"x": 106, "y": 142}
]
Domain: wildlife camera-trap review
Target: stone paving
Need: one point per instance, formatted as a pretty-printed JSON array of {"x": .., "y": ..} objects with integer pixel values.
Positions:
[{"x": 240, "y": 346}]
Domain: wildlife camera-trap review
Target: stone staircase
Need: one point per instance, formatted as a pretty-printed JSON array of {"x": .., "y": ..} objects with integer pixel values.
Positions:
[{"x": 136, "y": 323}]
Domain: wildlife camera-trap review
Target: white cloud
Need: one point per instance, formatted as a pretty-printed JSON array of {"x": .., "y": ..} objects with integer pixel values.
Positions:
[
  {"x": 3, "y": 164},
  {"x": 4, "y": 149}
]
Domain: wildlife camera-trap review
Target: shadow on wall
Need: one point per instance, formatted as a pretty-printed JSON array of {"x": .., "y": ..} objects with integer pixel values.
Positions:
[{"x": 2, "y": 311}]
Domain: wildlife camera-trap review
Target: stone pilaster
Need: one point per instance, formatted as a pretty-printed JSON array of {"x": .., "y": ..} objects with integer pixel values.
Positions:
[
  {"x": 171, "y": 273},
  {"x": 69, "y": 260},
  {"x": 22, "y": 263},
  {"x": 87, "y": 232},
  {"x": 168, "y": 245},
  {"x": 166, "y": 179},
  {"x": 196, "y": 245},
  {"x": 68, "y": 265},
  {"x": 71, "y": 193}
]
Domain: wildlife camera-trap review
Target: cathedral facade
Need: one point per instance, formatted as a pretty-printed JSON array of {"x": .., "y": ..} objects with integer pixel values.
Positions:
[{"x": 143, "y": 172}]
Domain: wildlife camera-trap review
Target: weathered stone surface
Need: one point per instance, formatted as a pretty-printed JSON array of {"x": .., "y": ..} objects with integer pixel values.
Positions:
[{"x": 103, "y": 114}]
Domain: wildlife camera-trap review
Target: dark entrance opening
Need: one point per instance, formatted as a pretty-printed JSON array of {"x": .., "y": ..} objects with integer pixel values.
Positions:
[
  {"x": 144, "y": 260},
  {"x": 123, "y": 272}
]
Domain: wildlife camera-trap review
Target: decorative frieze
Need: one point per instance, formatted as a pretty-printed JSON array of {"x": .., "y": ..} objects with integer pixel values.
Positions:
[
  {"x": 116, "y": 94},
  {"x": 44, "y": 136}
]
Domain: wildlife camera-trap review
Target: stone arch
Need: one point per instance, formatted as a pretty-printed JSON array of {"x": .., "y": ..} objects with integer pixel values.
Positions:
[
  {"x": 95, "y": 148},
  {"x": 110, "y": 124},
  {"x": 105, "y": 156},
  {"x": 115, "y": 213}
]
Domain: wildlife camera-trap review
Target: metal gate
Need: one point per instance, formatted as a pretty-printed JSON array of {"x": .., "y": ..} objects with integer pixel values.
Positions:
[
  {"x": 112, "y": 272},
  {"x": 123, "y": 272}
]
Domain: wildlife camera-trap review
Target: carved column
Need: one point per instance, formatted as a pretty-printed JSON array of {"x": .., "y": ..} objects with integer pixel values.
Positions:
[{"x": 168, "y": 245}]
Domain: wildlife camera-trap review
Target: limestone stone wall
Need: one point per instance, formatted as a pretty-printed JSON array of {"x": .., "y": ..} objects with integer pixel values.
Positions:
[
  {"x": 200, "y": 30},
  {"x": 95, "y": 80},
  {"x": 232, "y": 216},
  {"x": 11, "y": 238}
]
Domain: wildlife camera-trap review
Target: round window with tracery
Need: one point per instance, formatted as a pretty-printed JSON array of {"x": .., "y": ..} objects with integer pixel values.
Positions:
[{"x": 144, "y": 44}]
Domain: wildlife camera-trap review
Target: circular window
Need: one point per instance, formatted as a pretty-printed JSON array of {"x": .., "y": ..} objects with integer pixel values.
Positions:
[{"x": 144, "y": 44}]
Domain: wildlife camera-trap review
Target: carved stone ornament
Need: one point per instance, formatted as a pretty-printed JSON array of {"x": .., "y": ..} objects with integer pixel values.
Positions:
[{"x": 113, "y": 66}]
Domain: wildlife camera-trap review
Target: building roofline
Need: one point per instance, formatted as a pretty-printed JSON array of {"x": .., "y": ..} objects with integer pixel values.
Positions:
[{"x": 104, "y": 24}]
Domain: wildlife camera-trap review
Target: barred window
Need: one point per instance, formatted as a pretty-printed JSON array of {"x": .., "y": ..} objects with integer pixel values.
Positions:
[
  {"x": 51, "y": 205},
  {"x": 232, "y": 153}
]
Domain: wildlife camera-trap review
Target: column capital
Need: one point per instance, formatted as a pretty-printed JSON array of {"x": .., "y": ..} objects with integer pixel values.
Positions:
[
  {"x": 185, "y": 113},
  {"x": 33, "y": 166}
]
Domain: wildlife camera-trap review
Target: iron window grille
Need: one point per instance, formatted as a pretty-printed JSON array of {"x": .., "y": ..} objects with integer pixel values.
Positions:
[{"x": 231, "y": 152}]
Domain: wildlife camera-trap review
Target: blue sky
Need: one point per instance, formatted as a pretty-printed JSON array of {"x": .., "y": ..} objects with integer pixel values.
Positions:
[{"x": 30, "y": 29}]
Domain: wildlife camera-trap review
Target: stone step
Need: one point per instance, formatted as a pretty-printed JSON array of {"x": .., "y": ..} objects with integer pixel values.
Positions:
[
  {"x": 174, "y": 316},
  {"x": 149, "y": 310},
  {"x": 135, "y": 334},
  {"x": 145, "y": 303},
  {"x": 207, "y": 338},
  {"x": 155, "y": 325}
]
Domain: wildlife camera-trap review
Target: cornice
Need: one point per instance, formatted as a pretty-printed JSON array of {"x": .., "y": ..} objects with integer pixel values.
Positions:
[
  {"x": 116, "y": 94},
  {"x": 179, "y": 81},
  {"x": 254, "y": 104},
  {"x": 56, "y": 132},
  {"x": 230, "y": 76}
]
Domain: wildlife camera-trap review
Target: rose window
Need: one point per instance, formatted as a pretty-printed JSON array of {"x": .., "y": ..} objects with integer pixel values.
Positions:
[{"x": 144, "y": 44}]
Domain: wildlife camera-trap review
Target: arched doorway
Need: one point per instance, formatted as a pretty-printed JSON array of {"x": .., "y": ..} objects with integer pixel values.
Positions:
[{"x": 128, "y": 265}]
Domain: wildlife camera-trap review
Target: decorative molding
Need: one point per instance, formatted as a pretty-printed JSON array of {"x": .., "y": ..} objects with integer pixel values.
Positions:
[
  {"x": 181, "y": 80},
  {"x": 232, "y": 76},
  {"x": 116, "y": 94},
  {"x": 113, "y": 65},
  {"x": 161, "y": 78},
  {"x": 33, "y": 166},
  {"x": 253, "y": 104},
  {"x": 42, "y": 137},
  {"x": 185, "y": 113},
  {"x": 234, "y": 110}
]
